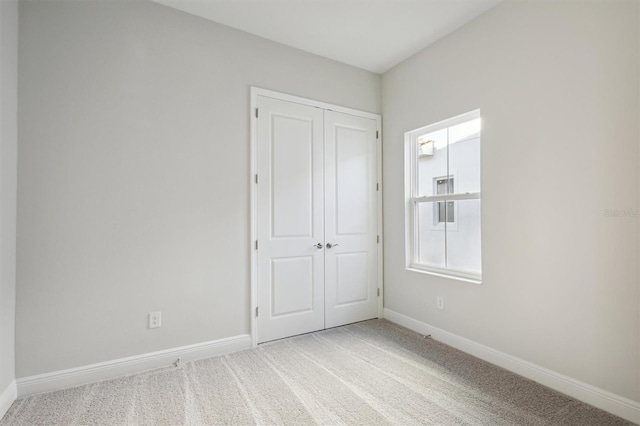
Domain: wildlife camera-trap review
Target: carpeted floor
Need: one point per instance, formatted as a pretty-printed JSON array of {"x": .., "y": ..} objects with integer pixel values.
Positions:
[{"x": 370, "y": 373}]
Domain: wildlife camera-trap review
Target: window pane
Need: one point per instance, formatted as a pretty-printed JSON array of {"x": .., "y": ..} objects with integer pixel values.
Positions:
[
  {"x": 444, "y": 186},
  {"x": 430, "y": 236},
  {"x": 432, "y": 161},
  {"x": 441, "y": 212},
  {"x": 464, "y": 156},
  {"x": 450, "y": 211},
  {"x": 463, "y": 243}
]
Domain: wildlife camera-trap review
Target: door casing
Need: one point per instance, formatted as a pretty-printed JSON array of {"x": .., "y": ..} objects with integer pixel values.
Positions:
[{"x": 255, "y": 92}]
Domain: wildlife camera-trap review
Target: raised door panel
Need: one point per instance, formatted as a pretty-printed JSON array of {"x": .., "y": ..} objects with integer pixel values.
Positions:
[
  {"x": 351, "y": 278},
  {"x": 291, "y": 175},
  {"x": 352, "y": 180},
  {"x": 291, "y": 285}
]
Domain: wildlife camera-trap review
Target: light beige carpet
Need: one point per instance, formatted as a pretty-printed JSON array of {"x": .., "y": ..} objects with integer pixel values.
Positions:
[{"x": 371, "y": 373}]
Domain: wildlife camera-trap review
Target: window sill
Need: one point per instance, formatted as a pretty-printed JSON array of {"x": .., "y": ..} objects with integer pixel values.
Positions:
[{"x": 451, "y": 275}]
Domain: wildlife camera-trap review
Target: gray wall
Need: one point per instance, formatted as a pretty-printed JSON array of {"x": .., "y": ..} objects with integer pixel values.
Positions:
[
  {"x": 134, "y": 174},
  {"x": 557, "y": 85},
  {"x": 8, "y": 164}
]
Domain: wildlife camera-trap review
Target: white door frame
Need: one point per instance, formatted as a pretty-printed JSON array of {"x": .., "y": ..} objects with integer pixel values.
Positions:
[{"x": 255, "y": 92}]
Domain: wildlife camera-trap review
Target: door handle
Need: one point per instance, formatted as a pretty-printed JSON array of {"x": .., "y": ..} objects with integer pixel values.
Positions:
[
  {"x": 319, "y": 245},
  {"x": 329, "y": 245}
]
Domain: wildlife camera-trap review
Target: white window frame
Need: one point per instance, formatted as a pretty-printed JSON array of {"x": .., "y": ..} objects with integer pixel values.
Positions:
[{"x": 412, "y": 200}]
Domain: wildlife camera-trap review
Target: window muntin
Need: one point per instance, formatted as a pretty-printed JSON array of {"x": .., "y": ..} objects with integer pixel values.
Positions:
[{"x": 443, "y": 197}]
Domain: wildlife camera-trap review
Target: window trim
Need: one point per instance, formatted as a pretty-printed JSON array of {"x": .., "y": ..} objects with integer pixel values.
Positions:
[{"x": 411, "y": 201}]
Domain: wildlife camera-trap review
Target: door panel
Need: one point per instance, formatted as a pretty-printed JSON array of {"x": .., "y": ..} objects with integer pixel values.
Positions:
[
  {"x": 290, "y": 206},
  {"x": 351, "y": 278},
  {"x": 350, "y": 219},
  {"x": 291, "y": 165},
  {"x": 351, "y": 180},
  {"x": 291, "y": 285}
]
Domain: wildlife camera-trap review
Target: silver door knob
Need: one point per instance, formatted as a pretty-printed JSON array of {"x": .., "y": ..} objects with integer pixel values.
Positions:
[
  {"x": 329, "y": 245},
  {"x": 319, "y": 245}
]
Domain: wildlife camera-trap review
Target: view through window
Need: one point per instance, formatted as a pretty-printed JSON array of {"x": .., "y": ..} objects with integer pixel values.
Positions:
[{"x": 443, "y": 197}]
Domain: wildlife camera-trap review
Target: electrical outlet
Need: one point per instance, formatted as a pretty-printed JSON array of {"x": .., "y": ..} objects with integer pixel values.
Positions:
[
  {"x": 155, "y": 319},
  {"x": 440, "y": 302}
]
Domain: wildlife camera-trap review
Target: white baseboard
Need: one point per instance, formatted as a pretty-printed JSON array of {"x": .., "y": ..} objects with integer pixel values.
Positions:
[
  {"x": 600, "y": 398},
  {"x": 7, "y": 397},
  {"x": 130, "y": 365}
]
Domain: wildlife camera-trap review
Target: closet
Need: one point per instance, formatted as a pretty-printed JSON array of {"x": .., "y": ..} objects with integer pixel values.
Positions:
[{"x": 316, "y": 215}]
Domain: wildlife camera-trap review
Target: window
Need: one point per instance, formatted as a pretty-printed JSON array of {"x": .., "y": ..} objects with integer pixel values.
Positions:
[
  {"x": 442, "y": 169},
  {"x": 444, "y": 213}
]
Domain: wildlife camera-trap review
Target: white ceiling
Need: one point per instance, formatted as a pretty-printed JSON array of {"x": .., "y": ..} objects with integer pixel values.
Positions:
[{"x": 371, "y": 34}]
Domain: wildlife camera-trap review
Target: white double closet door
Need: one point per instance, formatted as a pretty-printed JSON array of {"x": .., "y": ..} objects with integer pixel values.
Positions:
[{"x": 316, "y": 219}]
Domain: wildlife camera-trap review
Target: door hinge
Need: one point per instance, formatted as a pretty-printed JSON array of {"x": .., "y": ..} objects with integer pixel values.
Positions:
[
  {"x": 256, "y": 244},
  {"x": 378, "y": 239},
  {"x": 256, "y": 112},
  {"x": 377, "y": 134},
  {"x": 378, "y": 291},
  {"x": 256, "y": 311},
  {"x": 377, "y": 187},
  {"x": 256, "y": 178}
]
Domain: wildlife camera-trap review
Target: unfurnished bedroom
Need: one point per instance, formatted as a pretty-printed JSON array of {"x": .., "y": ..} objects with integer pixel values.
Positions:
[{"x": 335, "y": 212}]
